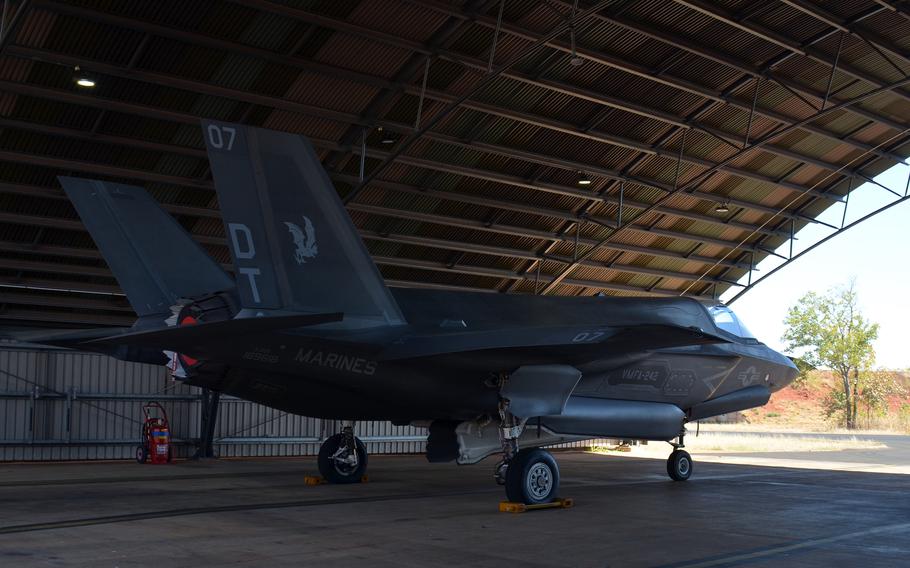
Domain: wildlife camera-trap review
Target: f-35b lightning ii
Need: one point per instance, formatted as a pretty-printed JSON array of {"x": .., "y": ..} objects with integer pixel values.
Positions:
[{"x": 307, "y": 325}]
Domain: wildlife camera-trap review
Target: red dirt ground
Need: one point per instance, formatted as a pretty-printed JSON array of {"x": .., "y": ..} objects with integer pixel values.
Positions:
[{"x": 804, "y": 407}]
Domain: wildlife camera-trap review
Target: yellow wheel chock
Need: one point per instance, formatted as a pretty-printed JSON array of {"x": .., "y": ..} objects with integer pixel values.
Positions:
[
  {"x": 510, "y": 507},
  {"x": 319, "y": 480}
]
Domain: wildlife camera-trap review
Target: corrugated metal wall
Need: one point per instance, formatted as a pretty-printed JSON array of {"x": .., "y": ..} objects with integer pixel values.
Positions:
[{"x": 64, "y": 405}]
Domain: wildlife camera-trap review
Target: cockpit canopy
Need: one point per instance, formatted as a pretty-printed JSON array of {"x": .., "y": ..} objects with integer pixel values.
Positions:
[{"x": 726, "y": 320}]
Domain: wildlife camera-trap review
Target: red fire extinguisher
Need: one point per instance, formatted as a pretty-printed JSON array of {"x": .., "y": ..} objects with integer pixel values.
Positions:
[{"x": 155, "y": 445}]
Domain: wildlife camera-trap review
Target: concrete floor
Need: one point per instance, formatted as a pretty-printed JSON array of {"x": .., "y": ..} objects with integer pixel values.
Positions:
[{"x": 411, "y": 513}]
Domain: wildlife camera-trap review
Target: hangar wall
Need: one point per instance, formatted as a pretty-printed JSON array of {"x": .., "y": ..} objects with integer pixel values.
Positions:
[{"x": 65, "y": 405}]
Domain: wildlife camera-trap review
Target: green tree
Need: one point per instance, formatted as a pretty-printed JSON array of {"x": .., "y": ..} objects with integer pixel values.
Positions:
[
  {"x": 829, "y": 331},
  {"x": 877, "y": 387}
]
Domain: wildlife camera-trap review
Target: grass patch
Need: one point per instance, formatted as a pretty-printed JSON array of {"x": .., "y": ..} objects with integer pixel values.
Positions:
[
  {"x": 746, "y": 443},
  {"x": 728, "y": 442}
]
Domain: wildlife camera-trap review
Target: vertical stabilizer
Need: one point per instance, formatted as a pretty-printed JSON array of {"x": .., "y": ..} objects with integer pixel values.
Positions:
[
  {"x": 293, "y": 242},
  {"x": 152, "y": 257}
]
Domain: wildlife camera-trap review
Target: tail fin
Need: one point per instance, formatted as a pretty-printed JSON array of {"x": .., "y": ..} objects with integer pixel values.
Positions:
[
  {"x": 151, "y": 255},
  {"x": 293, "y": 243}
]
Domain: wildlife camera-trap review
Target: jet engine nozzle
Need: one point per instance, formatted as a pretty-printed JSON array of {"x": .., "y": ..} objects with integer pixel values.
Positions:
[{"x": 205, "y": 309}]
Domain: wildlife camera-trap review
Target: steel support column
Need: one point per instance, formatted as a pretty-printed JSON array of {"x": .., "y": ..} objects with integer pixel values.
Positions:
[{"x": 209, "y": 417}]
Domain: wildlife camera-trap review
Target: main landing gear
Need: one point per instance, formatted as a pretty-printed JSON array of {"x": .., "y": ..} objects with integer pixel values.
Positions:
[
  {"x": 531, "y": 475},
  {"x": 679, "y": 464},
  {"x": 343, "y": 457}
]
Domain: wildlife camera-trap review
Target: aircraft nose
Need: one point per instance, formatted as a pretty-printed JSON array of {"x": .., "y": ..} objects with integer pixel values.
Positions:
[{"x": 791, "y": 372}]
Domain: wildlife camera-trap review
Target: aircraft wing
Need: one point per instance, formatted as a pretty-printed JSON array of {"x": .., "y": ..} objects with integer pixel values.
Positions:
[
  {"x": 598, "y": 341},
  {"x": 196, "y": 339}
]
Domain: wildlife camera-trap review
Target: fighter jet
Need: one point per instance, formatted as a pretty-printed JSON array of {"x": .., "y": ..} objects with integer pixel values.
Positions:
[{"x": 307, "y": 325}]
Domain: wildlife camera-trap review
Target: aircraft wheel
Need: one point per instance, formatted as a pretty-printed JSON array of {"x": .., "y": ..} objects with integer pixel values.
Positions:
[
  {"x": 142, "y": 454},
  {"x": 679, "y": 465},
  {"x": 337, "y": 465},
  {"x": 532, "y": 477}
]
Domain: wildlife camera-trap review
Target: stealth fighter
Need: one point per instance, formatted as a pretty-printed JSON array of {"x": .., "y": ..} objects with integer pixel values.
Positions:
[{"x": 307, "y": 325}]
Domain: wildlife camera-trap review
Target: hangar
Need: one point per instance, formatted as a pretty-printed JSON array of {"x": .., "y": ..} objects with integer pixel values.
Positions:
[{"x": 539, "y": 147}]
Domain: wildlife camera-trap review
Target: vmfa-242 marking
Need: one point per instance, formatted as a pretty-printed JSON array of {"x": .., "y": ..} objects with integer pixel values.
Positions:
[{"x": 311, "y": 328}]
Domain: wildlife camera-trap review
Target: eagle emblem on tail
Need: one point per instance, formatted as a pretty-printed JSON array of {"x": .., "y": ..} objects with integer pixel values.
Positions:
[{"x": 304, "y": 240}]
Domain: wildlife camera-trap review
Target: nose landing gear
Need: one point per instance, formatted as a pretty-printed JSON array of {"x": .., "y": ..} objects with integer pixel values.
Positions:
[{"x": 679, "y": 464}]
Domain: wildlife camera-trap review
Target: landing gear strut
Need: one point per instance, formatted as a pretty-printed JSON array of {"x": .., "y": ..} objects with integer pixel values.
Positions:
[
  {"x": 679, "y": 464},
  {"x": 343, "y": 457},
  {"x": 531, "y": 475}
]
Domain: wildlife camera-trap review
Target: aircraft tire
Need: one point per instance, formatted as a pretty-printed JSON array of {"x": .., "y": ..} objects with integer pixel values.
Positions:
[
  {"x": 679, "y": 465},
  {"x": 332, "y": 472},
  {"x": 532, "y": 477}
]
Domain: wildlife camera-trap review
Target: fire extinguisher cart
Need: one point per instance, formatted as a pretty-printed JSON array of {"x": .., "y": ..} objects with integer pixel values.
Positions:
[{"x": 155, "y": 444}]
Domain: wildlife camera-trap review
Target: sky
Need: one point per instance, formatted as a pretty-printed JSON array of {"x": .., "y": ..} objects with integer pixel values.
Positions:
[{"x": 875, "y": 252}]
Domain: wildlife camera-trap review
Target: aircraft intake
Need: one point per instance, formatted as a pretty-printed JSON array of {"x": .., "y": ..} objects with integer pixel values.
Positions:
[{"x": 749, "y": 397}]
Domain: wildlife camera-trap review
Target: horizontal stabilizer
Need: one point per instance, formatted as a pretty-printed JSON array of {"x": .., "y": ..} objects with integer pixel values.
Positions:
[
  {"x": 188, "y": 338},
  {"x": 64, "y": 337}
]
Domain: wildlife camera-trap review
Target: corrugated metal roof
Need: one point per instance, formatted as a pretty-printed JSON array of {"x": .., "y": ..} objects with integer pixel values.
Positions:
[{"x": 490, "y": 187}]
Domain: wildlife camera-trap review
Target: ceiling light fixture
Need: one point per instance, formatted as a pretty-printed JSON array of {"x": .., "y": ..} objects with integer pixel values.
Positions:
[
  {"x": 387, "y": 137},
  {"x": 584, "y": 180},
  {"x": 722, "y": 207},
  {"x": 82, "y": 79}
]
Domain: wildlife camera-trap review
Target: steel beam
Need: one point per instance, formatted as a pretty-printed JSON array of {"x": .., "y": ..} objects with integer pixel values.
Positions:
[
  {"x": 486, "y": 175},
  {"x": 49, "y": 316},
  {"x": 697, "y": 180},
  {"x": 86, "y": 136},
  {"x": 680, "y": 43},
  {"x": 806, "y": 50},
  {"x": 432, "y": 218},
  {"x": 712, "y": 54},
  {"x": 358, "y": 120},
  {"x": 85, "y": 303},
  {"x": 441, "y": 37},
  {"x": 383, "y": 83},
  {"x": 478, "y": 225},
  {"x": 43, "y": 266},
  {"x": 570, "y": 165},
  {"x": 60, "y": 286},
  {"x": 837, "y": 230},
  {"x": 479, "y": 65},
  {"x": 486, "y": 147},
  {"x": 13, "y": 25},
  {"x": 846, "y": 26},
  {"x": 819, "y": 243},
  {"x": 497, "y": 251},
  {"x": 501, "y": 252}
]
